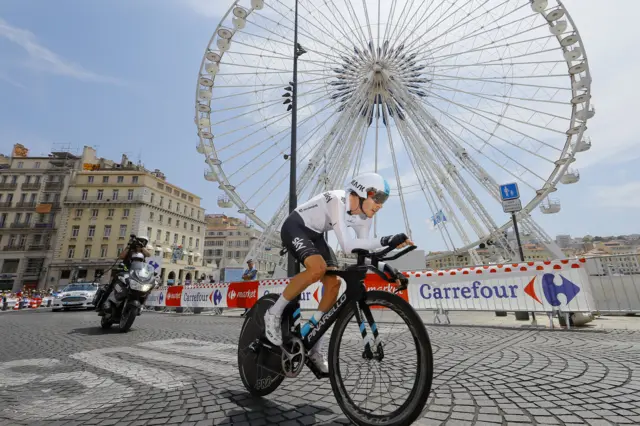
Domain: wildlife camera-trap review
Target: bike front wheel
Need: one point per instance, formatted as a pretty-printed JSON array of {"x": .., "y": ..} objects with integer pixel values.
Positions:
[{"x": 411, "y": 329}]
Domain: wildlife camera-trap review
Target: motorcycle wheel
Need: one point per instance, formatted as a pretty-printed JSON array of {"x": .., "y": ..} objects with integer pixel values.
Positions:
[
  {"x": 127, "y": 318},
  {"x": 105, "y": 323}
]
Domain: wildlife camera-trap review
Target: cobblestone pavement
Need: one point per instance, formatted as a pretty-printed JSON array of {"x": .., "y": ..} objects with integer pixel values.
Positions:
[{"x": 61, "y": 368}]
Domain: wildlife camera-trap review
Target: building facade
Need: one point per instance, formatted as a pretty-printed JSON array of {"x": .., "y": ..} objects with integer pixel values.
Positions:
[
  {"x": 106, "y": 202},
  {"x": 31, "y": 193},
  {"x": 228, "y": 241}
]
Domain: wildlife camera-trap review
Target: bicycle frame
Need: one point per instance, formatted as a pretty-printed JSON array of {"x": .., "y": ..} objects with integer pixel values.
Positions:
[{"x": 355, "y": 293}]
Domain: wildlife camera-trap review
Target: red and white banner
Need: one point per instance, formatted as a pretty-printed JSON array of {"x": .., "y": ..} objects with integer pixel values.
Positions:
[{"x": 530, "y": 287}]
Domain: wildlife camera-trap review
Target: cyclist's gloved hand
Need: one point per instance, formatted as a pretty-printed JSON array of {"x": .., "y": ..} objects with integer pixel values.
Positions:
[{"x": 394, "y": 240}]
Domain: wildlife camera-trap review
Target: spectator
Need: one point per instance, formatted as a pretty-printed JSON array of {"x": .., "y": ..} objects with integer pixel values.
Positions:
[{"x": 250, "y": 274}]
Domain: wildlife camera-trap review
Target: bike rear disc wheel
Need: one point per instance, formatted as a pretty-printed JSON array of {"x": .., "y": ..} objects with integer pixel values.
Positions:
[
  {"x": 410, "y": 410},
  {"x": 260, "y": 371}
]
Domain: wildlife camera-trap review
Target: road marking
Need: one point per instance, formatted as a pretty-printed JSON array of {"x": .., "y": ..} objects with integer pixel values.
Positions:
[
  {"x": 218, "y": 362},
  {"x": 98, "y": 391}
]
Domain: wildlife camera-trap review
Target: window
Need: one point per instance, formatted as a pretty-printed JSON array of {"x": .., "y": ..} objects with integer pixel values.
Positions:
[
  {"x": 27, "y": 179},
  {"x": 75, "y": 231},
  {"x": 120, "y": 179},
  {"x": 150, "y": 215},
  {"x": 87, "y": 251},
  {"x": 152, "y": 197},
  {"x": 37, "y": 179},
  {"x": 185, "y": 210},
  {"x": 177, "y": 223},
  {"x": 169, "y": 221},
  {"x": 90, "y": 179},
  {"x": 17, "y": 217},
  {"x": 78, "y": 212},
  {"x": 20, "y": 164},
  {"x": 23, "y": 198},
  {"x": 198, "y": 228},
  {"x": 92, "y": 231},
  {"x": 33, "y": 198},
  {"x": 158, "y": 235},
  {"x": 183, "y": 239},
  {"x": 175, "y": 238},
  {"x": 167, "y": 236},
  {"x": 161, "y": 201},
  {"x": 169, "y": 206},
  {"x": 246, "y": 243},
  {"x": 71, "y": 251},
  {"x": 185, "y": 226},
  {"x": 178, "y": 207},
  {"x": 105, "y": 179},
  {"x": 114, "y": 196},
  {"x": 130, "y": 194},
  {"x": 94, "y": 213},
  {"x": 237, "y": 254},
  {"x": 191, "y": 211},
  {"x": 85, "y": 193},
  {"x": 190, "y": 241},
  {"x": 160, "y": 220},
  {"x": 229, "y": 255},
  {"x": 100, "y": 194},
  {"x": 123, "y": 231},
  {"x": 192, "y": 227},
  {"x": 107, "y": 231},
  {"x": 119, "y": 249},
  {"x": 111, "y": 212},
  {"x": 134, "y": 179},
  {"x": 149, "y": 232},
  {"x": 37, "y": 164},
  {"x": 125, "y": 213}
]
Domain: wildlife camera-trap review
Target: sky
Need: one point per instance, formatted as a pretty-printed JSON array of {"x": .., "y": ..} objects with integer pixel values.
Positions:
[{"x": 120, "y": 75}]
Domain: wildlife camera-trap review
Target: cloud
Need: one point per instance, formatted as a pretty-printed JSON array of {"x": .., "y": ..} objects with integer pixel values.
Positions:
[
  {"x": 47, "y": 60},
  {"x": 625, "y": 195},
  {"x": 206, "y": 8}
]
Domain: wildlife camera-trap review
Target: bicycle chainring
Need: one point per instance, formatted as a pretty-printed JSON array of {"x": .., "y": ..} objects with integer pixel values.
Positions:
[{"x": 293, "y": 357}]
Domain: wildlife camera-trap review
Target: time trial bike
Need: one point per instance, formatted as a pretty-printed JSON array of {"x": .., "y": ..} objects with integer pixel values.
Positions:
[{"x": 264, "y": 366}]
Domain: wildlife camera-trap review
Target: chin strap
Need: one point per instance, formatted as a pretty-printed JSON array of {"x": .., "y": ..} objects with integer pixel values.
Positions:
[{"x": 361, "y": 200}]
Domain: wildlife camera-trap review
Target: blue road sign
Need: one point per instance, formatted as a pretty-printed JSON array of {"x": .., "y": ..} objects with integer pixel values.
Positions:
[{"x": 509, "y": 191}]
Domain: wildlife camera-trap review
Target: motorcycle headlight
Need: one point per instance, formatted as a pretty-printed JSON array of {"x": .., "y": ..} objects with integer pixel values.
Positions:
[{"x": 140, "y": 287}]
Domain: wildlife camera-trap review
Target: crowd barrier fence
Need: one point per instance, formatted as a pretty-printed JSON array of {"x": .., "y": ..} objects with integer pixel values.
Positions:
[{"x": 549, "y": 287}]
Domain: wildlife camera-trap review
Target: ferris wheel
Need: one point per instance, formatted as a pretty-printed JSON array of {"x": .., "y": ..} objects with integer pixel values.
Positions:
[{"x": 446, "y": 100}]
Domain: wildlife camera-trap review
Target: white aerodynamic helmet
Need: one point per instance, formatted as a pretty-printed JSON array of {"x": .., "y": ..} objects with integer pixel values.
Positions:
[{"x": 370, "y": 185}]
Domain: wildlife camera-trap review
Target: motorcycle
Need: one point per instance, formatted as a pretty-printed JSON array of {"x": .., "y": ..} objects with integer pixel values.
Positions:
[{"x": 129, "y": 292}]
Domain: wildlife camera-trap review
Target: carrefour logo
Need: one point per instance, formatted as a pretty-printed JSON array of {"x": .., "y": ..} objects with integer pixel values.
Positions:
[
  {"x": 551, "y": 290},
  {"x": 232, "y": 294},
  {"x": 216, "y": 297},
  {"x": 476, "y": 291},
  {"x": 161, "y": 298}
]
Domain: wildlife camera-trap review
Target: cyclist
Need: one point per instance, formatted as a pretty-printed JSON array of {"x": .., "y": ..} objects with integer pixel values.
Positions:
[{"x": 302, "y": 235}]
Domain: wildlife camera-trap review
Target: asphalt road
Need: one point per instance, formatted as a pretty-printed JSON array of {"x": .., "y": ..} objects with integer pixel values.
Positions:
[{"x": 61, "y": 368}]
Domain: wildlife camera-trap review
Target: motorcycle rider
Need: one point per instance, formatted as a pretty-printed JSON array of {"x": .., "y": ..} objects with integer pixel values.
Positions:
[{"x": 134, "y": 252}]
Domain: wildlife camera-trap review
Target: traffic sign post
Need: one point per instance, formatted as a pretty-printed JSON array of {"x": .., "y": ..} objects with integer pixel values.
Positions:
[{"x": 510, "y": 195}]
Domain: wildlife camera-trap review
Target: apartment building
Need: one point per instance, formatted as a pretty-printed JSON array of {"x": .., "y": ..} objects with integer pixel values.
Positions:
[
  {"x": 31, "y": 190},
  {"x": 228, "y": 240},
  {"x": 107, "y": 201}
]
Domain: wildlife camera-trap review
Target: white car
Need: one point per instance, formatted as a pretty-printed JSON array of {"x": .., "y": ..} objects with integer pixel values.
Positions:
[{"x": 76, "y": 295}]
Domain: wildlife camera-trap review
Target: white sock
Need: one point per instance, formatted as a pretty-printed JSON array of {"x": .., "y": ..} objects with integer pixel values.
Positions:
[
  {"x": 279, "y": 306},
  {"x": 316, "y": 316}
]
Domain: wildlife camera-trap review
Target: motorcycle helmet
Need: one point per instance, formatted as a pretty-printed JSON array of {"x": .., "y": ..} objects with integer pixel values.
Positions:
[
  {"x": 137, "y": 257},
  {"x": 144, "y": 240}
]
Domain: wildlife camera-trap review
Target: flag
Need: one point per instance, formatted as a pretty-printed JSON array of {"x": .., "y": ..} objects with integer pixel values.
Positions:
[{"x": 437, "y": 219}]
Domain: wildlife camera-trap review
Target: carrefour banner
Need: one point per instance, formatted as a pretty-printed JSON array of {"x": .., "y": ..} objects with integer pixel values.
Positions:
[{"x": 530, "y": 287}]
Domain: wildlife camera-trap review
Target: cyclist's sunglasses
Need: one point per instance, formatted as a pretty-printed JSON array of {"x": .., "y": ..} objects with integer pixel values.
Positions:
[{"x": 379, "y": 197}]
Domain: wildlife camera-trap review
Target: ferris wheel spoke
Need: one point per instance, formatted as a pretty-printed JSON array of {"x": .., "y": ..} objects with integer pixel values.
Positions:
[
  {"x": 486, "y": 142},
  {"x": 407, "y": 21},
  {"x": 496, "y": 98},
  {"x": 482, "y": 30}
]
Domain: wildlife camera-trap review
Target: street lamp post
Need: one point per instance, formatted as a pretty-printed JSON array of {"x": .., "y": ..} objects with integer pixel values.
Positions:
[{"x": 292, "y": 267}]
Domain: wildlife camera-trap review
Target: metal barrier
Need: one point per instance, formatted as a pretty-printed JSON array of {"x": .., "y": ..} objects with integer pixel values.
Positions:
[
  {"x": 551, "y": 287},
  {"x": 615, "y": 283}
]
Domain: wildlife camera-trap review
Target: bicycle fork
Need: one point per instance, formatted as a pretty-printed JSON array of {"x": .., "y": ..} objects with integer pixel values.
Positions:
[{"x": 371, "y": 343}]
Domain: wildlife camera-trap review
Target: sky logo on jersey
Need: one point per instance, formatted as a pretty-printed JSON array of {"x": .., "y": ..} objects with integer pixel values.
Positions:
[{"x": 551, "y": 290}]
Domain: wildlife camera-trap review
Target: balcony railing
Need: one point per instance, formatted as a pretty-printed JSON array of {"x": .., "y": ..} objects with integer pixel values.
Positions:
[
  {"x": 8, "y": 186},
  {"x": 104, "y": 199},
  {"x": 26, "y": 204},
  {"x": 6, "y": 204},
  {"x": 53, "y": 186},
  {"x": 39, "y": 247},
  {"x": 33, "y": 186},
  {"x": 20, "y": 225},
  {"x": 13, "y": 247},
  {"x": 44, "y": 225}
]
